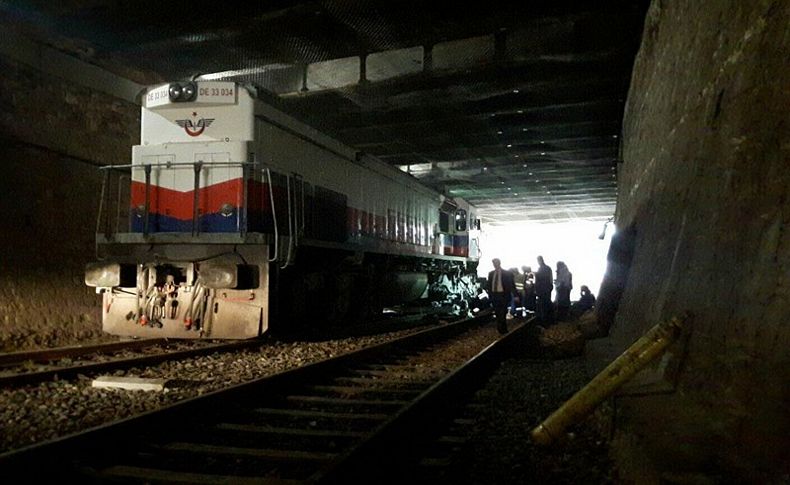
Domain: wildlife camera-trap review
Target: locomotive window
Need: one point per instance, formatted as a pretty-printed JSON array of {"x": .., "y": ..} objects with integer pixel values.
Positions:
[
  {"x": 444, "y": 222},
  {"x": 460, "y": 220}
]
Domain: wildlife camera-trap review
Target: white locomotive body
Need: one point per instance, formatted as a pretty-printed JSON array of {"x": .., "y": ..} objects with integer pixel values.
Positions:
[{"x": 238, "y": 212}]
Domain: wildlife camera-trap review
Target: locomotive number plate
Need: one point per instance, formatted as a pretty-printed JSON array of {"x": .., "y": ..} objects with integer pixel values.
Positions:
[{"x": 216, "y": 92}]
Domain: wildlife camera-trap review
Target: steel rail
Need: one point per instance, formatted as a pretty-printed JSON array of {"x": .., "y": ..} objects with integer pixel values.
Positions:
[
  {"x": 394, "y": 440},
  {"x": 65, "y": 372},
  {"x": 106, "y": 443},
  {"x": 45, "y": 355}
]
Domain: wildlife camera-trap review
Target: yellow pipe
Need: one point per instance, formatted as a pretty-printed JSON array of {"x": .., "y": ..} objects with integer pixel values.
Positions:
[{"x": 637, "y": 356}]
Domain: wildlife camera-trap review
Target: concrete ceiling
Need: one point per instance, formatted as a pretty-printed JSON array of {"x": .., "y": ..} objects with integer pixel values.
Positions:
[{"x": 515, "y": 106}]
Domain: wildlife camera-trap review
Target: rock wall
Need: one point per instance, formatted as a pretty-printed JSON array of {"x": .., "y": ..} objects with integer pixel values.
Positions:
[
  {"x": 53, "y": 135},
  {"x": 704, "y": 188}
]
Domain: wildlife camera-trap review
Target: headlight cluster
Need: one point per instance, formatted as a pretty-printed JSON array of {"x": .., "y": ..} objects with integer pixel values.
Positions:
[
  {"x": 182, "y": 92},
  {"x": 227, "y": 210},
  {"x": 219, "y": 275},
  {"x": 108, "y": 275}
]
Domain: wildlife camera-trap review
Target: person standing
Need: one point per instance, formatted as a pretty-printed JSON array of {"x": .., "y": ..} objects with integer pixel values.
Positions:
[
  {"x": 543, "y": 286},
  {"x": 500, "y": 288},
  {"x": 518, "y": 281},
  {"x": 529, "y": 290},
  {"x": 564, "y": 284}
]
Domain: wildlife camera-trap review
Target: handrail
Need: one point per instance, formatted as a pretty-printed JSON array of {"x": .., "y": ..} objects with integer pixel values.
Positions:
[
  {"x": 147, "y": 207},
  {"x": 291, "y": 222},
  {"x": 101, "y": 207},
  {"x": 295, "y": 207},
  {"x": 274, "y": 215},
  {"x": 121, "y": 178},
  {"x": 197, "y": 167},
  {"x": 244, "y": 213},
  {"x": 173, "y": 164}
]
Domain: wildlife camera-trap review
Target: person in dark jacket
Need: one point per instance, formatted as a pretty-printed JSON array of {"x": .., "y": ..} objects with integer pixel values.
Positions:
[
  {"x": 500, "y": 287},
  {"x": 529, "y": 290},
  {"x": 564, "y": 285},
  {"x": 544, "y": 283},
  {"x": 586, "y": 302}
]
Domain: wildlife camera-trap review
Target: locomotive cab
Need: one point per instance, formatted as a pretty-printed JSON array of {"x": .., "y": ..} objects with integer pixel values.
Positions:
[{"x": 459, "y": 229}]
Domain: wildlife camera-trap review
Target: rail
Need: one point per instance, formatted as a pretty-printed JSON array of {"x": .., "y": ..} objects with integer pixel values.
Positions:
[
  {"x": 69, "y": 371},
  {"x": 45, "y": 355},
  {"x": 171, "y": 444}
]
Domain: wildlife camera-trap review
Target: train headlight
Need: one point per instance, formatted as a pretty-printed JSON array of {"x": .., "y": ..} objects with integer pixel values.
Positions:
[
  {"x": 219, "y": 275},
  {"x": 182, "y": 92},
  {"x": 175, "y": 92},
  {"x": 188, "y": 91},
  {"x": 227, "y": 210},
  {"x": 107, "y": 275}
]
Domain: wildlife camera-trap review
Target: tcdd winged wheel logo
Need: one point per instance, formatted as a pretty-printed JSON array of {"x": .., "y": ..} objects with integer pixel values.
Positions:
[{"x": 197, "y": 128}]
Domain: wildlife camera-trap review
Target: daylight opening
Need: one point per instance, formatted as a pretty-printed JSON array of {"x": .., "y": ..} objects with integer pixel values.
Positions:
[{"x": 576, "y": 243}]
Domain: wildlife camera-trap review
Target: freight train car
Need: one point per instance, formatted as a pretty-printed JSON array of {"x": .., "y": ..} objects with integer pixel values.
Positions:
[{"x": 234, "y": 216}]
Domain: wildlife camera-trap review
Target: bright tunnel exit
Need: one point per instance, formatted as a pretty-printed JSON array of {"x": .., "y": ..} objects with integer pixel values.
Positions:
[{"x": 576, "y": 243}]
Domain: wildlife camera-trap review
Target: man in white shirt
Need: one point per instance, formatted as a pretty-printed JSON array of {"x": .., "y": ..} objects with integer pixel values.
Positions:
[{"x": 500, "y": 288}]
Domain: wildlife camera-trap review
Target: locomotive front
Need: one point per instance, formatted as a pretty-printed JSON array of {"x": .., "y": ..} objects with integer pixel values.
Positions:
[
  {"x": 188, "y": 265},
  {"x": 232, "y": 211}
]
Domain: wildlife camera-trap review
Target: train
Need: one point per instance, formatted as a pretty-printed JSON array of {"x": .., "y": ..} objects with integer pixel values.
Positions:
[{"x": 234, "y": 218}]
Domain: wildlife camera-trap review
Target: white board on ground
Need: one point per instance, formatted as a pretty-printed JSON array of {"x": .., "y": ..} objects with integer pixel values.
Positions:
[{"x": 130, "y": 383}]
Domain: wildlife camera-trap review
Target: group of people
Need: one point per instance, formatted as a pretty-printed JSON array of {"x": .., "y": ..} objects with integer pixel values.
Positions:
[{"x": 532, "y": 291}]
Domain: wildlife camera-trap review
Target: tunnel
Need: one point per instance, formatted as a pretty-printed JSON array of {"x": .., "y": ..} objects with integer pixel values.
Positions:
[{"x": 348, "y": 160}]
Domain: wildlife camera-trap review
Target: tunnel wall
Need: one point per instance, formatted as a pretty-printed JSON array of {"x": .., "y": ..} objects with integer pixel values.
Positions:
[
  {"x": 53, "y": 134},
  {"x": 704, "y": 189}
]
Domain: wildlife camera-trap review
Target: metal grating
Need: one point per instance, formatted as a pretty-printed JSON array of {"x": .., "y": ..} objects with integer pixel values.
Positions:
[{"x": 515, "y": 106}]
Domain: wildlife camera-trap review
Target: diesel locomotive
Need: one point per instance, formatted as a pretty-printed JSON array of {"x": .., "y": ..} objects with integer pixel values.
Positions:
[{"x": 234, "y": 217}]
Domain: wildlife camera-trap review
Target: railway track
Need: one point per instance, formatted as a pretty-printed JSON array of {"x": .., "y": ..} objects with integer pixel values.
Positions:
[
  {"x": 335, "y": 421},
  {"x": 23, "y": 368}
]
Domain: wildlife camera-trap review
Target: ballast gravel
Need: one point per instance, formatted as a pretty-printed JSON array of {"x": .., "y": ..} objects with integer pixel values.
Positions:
[
  {"x": 51, "y": 409},
  {"x": 56, "y": 408}
]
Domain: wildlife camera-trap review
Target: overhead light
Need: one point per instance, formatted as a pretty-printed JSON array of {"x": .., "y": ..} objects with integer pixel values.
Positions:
[
  {"x": 510, "y": 145},
  {"x": 515, "y": 91},
  {"x": 542, "y": 153},
  {"x": 243, "y": 72}
]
